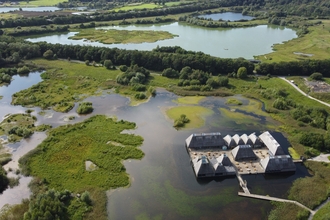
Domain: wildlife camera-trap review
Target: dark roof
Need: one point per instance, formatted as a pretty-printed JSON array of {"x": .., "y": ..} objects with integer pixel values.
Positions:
[
  {"x": 205, "y": 140},
  {"x": 281, "y": 163},
  {"x": 243, "y": 152},
  {"x": 246, "y": 139},
  {"x": 203, "y": 167}
]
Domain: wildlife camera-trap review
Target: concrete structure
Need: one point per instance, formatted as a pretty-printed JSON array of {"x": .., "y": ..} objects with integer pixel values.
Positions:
[
  {"x": 272, "y": 145},
  {"x": 276, "y": 164},
  {"x": 205, "y": 140},
  {"x": 243, "y": 152}
]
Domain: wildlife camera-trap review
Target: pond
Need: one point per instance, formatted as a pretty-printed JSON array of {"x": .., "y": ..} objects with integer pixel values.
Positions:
[
  {"x": 225, "y": 43},
  {"x": 163, "y": 184},
  {"x": 226, "y": 16}
]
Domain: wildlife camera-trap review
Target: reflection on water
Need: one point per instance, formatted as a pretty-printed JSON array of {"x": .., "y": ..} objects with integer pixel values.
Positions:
[
  {"x": 226, "y": 16},
  {"x": 163, "y": 184},
  {"x": 224, "y": 43}
]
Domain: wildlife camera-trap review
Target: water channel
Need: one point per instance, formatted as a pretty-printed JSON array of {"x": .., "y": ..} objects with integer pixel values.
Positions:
[
  {"x": 225, "y": 43},
  {"x": 163, "y": 185}
]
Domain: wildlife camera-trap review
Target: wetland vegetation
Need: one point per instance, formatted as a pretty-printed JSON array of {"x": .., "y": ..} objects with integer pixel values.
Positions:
[
  {"x": 121, "y": 36},
  {"x": 67, "y": 82}
]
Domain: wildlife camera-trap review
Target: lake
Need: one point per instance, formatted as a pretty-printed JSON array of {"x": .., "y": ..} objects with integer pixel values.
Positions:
[
  {"x": 225, "y": 43},
  {"x": 163, "y": 184},
  {"x": 226, "y": 16}
]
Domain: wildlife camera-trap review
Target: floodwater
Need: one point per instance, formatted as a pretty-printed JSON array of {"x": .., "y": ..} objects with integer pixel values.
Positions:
[
  {"x": 163, "y": 185},
  {"x": 226, "y": 43},
  {"x": 226, "y": 16}
]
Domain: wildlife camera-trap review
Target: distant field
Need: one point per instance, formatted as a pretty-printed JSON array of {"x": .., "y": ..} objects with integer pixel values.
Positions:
[
  {"x": 316, "y": 42},
  {"x": 8, "y": 15},
  {"x": 41, "y": 2},
  {"x": 138, "y": 6}
]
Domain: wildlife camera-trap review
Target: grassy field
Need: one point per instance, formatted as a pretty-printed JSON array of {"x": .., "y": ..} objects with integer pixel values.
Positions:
[
  {"x": 196, "y": 115},
  {"x": 8, "y": 16},
  {"x": 121, "y": 36},
  {"x": 138, "y": 7},
  {"x": 323, "y": 213},
  {"x": 316, "y": 42},
  {"x": 189, "y": 100},
  {"x": 33, "y": 3}
]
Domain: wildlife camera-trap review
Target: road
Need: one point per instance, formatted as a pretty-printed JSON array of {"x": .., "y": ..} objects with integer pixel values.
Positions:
[{"x": 299, "y": 90}]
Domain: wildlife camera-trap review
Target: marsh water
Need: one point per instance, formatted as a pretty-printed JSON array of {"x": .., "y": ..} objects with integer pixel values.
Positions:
[
  {"x": 226, "y": 16},
  {"x": 163, "y": 185},
  {"x": 227, "y": 43}
]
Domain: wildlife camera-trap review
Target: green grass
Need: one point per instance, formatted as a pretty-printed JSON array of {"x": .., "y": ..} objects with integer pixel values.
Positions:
[
  {"x": 121, "y": 36},
  {"x": 189, "y": 100},
  {"x": 323, "y": 213},
  {"x": 8, "y": 16},
  {"x": 137, "y": 7},
  {"x": 294, "y": 153},
  {"x": 60, "y": 159},
  {"x": 196, "y": 115},
  {"x": 316, "y": 42},
  {"x": 33, "y": 3}
]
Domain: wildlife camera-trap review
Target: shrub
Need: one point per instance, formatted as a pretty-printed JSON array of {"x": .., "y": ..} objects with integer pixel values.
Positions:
[
  {"x": 140, "y": 96},
  {"x": 170, "y": 73},
  {"x": 49, "y": 54},
  {"x": 23, "y": 70},
  {"x": 242, "y": 72},
  {"x": 108, "y": 64},
  {"x": 180, "y": 122},
  {"x": 139, "y": 87},
  {"x": 85, "y": 108},
  {"x": 316, "y": 76},
  {"x": 280, "y": 103}
]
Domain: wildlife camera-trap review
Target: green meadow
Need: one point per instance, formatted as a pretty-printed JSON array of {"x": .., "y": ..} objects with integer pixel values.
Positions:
[
  {"x": 33, "y": 3},
  {"x": 316, "y": 42},
  {"x": 137, "y": 6},
  {"x": 196, "y": 115}
]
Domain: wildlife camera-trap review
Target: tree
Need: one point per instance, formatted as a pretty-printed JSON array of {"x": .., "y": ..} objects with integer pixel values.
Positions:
[
  {"x": 316, "y": 76},
  {"x": 48, "y": 54},
  {"x": 242, "y": 72}
]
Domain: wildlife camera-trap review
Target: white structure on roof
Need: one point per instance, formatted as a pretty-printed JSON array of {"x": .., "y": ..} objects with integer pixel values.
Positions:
[
  {"x": 275, "y": 164},
  {"x": 246, "y": 139},
  {"x": 229, "y": 141},
  {"x": 238, "y": 140},
  {"x": 255, "y": 140},
  {"x": 272, "y": 145}
]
